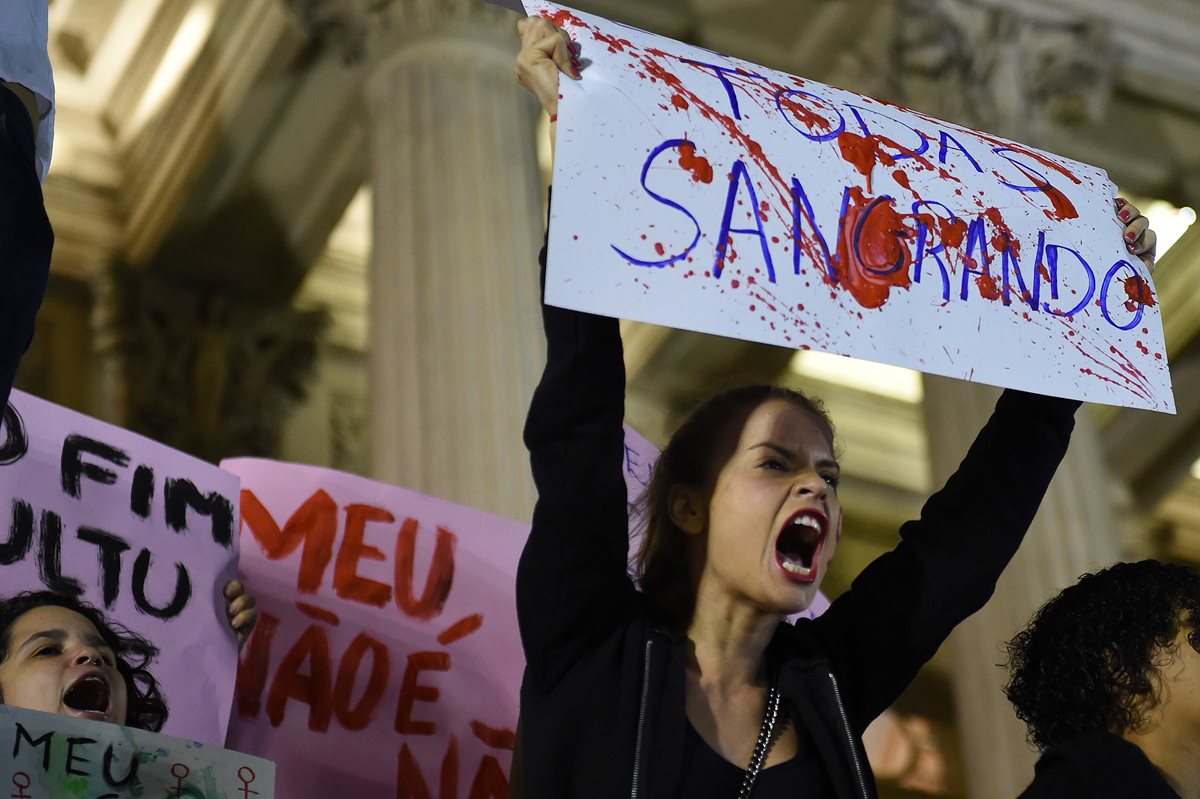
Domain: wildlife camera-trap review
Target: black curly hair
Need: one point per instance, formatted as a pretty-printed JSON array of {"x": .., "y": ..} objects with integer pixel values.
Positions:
[
  {"x": 1088, "y": 659},
  {"x": 146, "y": 709}
]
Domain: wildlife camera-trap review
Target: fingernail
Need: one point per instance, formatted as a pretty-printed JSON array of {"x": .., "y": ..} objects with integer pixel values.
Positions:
[
  {"x": 1121, "y": 202},
  {"x": 1132, "y": 249},
  {"x": 1124, "y": 215},
  {"x": 1131, "y": 236}
]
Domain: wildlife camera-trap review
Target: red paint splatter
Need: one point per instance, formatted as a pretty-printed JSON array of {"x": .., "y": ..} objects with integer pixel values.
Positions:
[
  {"x": 1139, "y": 293},
  {"x": 1143, "y": 348},
  {"x": 987, "y": 287},
  {"x": 863, "y": 153},
  {"x": 563, "y": 16},
  {"x": 873, "y": 250},
  {"x": 679, "y": 102},
  {"x": 701, "y": 169},
  {"x": 803, "y": 114},
  {"x": 1127, "y": 375},
  {"x": 1063, "y": 208},
  {"x": 952, "y": 231},
  {"x": 901, "y": 178},
  {"x": 1003, "y": 238},
  {"x": 661, "y": 250},
  {"x": 735, "y": 284}
]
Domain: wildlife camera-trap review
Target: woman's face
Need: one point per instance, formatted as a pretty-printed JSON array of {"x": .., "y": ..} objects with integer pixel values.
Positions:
[
  {"x": 58, "y": 663},
  {"x": 773, "y": 516}
]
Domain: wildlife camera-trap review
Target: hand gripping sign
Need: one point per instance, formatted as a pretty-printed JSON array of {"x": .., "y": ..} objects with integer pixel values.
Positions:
[
  {"x": 703, "y": 192},
  {"x": 141, "y": 531}
]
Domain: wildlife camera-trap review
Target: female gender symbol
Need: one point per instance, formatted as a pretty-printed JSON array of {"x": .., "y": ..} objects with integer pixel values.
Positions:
[
  {"x": 247, "y": 792},
  {"x": 182, "y": 767},
  {"x": 21, "y": 786}
]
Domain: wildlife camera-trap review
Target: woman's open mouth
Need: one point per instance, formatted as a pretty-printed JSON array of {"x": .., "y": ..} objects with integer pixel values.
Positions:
[
  {"x": 798, "y": 545},
  {"x": 89, "y": 697}
]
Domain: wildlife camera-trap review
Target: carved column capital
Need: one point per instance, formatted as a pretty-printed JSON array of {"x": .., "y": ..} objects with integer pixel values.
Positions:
[
  {"x": 1012, "y": 71},
  {"x": 365, "y": 29},
  {"x": 196, "y": 369}
]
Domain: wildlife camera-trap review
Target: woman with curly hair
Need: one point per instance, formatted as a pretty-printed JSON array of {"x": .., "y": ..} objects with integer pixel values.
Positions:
[
  {"x": 59, "y": 654},
  {"x": 1107, "y": 676},
  {"x": 687, "y": 682}
]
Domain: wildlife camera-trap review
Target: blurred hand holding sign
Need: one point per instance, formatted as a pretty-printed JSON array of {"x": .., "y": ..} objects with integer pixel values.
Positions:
[
  {"x": 142, "y": 531},
  {"x": 707, "y": 193},
  {"x": 47, "y": 756}
]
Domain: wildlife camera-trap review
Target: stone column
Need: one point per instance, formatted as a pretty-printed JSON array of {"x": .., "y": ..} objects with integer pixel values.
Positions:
[
  {"x": 1075, "y": 531},
  {"x": 455, "y": 328},
  {"x": 1030, "y": 74}
]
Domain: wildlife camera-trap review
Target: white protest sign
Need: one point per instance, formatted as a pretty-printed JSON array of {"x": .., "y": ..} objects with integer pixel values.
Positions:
[
  {"x": 144, "y": 532},
  {"x": 46, "y": 756},
  {"x": 703, "y": 192}
]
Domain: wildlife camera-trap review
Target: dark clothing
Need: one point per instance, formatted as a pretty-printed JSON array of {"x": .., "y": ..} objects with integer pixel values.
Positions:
[
  {"x": 706, "y": 773},
  {"x": 603, "y": 698},
  {"x": 1097, "y": 765},
  {"x": 25, "y": 238}
]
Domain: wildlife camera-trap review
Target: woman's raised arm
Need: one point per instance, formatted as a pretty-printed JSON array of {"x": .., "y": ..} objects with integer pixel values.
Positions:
[
  {"x": 572, "y": 582},
  {"x": 904, "y": 604}
]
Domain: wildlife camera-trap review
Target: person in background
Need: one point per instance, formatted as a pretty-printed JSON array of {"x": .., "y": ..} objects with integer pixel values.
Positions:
[
  {"x": 1107, "y": 677},
  {"x": 687, "y": 681},
  {"x": 58, "y": 654},
  {"x": 26, "y": 140}
]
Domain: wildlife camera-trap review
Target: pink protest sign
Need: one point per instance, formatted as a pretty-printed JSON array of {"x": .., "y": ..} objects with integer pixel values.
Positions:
[
  {"x": 708, "y": 193},
  {"x": 387, "y": 654},
  {"x": 140, "y": 530},
  {"x": 640, "y": 456}
]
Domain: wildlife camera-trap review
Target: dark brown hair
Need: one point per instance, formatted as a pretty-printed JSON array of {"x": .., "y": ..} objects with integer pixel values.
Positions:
[{"x": 694, "y": 455}]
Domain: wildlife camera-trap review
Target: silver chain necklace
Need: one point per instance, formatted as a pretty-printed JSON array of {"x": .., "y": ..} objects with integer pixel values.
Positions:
[{"x": 766, "y": 734}]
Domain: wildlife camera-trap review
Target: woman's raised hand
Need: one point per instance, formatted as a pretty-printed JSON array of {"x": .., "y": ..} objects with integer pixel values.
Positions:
[
  {"x": 1139, "y": 238},
  {"x": 546, "y": 50}
]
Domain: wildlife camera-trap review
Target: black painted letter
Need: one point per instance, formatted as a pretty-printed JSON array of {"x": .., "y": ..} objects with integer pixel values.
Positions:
[{"x": 183, "y": 589}]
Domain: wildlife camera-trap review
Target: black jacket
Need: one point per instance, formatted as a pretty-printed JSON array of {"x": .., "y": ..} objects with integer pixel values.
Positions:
[
  {"x": 602, "y": 702},
  {"x": 25, "y": 238},
  {"x": 1097, "y": 765}
]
